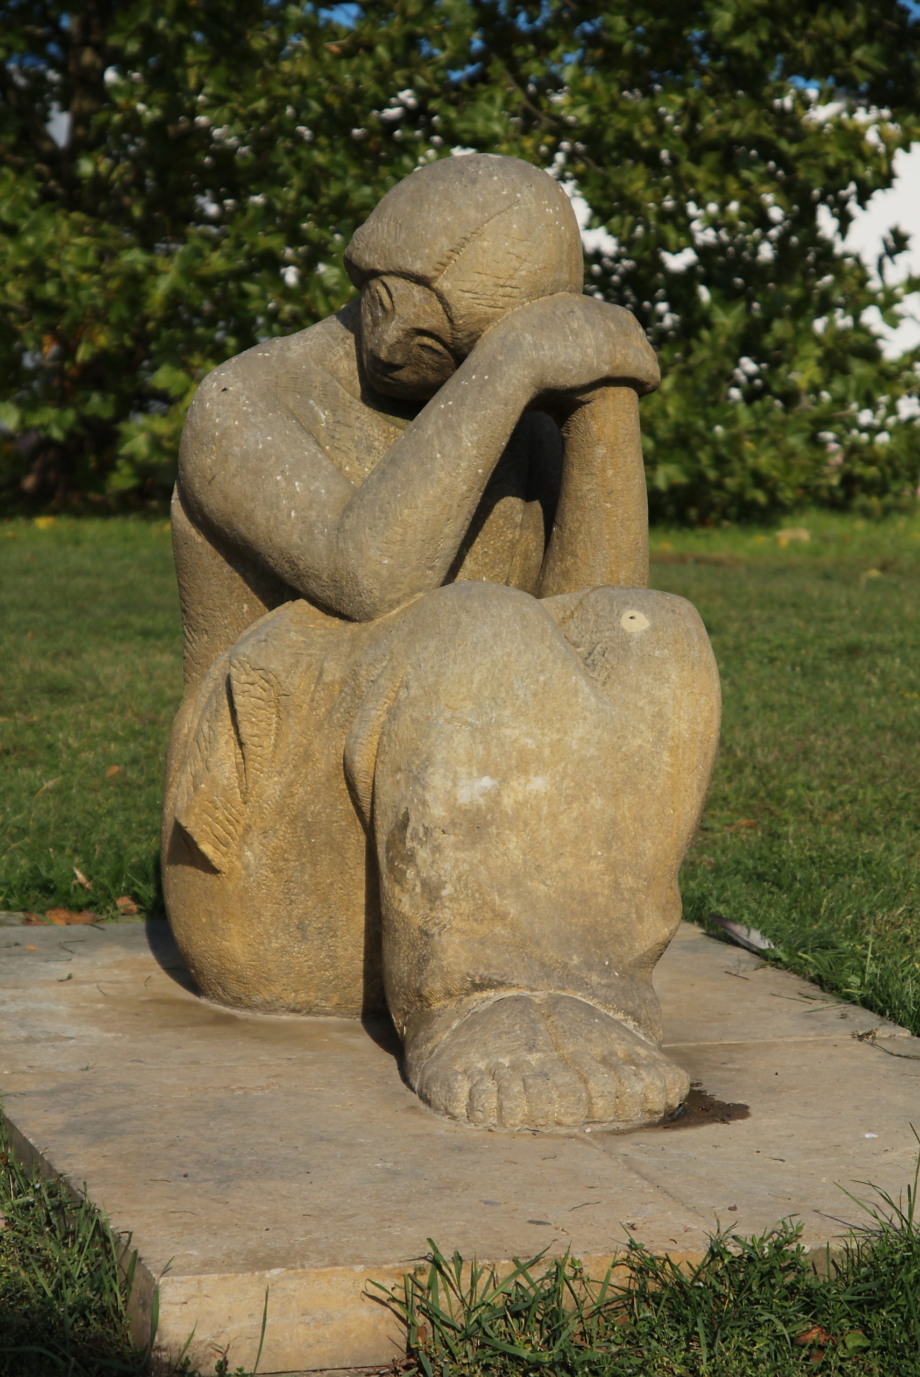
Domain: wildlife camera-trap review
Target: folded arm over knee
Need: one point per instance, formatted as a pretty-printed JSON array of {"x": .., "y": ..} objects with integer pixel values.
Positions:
[{"x": 252, "y": 473}]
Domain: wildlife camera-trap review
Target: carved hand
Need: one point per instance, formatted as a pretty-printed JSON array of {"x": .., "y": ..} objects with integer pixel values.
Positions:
[{"x": 572, "y": 344}]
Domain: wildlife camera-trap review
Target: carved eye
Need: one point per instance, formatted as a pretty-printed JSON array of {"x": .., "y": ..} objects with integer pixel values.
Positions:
[{"x": 433, "y": 350}]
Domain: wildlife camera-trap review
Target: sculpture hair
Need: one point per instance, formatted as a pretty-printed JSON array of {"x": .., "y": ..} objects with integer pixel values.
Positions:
[{"x": 487, "y": 233}]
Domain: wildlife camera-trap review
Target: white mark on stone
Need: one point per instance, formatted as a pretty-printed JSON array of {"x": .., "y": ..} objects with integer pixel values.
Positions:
[
  {"x": 473, "y": 790},
  {"x": 538, "y": 782},
  {"x": 634, "y": 621}
]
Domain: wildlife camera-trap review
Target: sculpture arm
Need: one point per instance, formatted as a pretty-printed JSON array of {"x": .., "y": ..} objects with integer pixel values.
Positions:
[
  {"x": 600, "y": 529},
  {"x": 252, "y": 474}
]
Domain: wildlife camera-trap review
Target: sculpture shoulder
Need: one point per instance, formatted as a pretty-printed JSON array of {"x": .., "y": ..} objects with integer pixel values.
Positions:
[
  {"x": 298, "y": 398},
  {"x": 328, "y": 346},
  {"x": 296, "y": 380}
]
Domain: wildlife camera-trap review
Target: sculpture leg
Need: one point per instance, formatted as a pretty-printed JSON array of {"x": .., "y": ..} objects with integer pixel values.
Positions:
[{"x": 539, "y": 775}]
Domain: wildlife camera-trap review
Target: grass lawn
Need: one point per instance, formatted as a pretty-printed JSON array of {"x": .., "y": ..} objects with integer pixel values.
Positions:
[
  {"x": 812, "y": 830},
  {"x": 810, "y": 835},
  {"x": 90, "y": 678}
]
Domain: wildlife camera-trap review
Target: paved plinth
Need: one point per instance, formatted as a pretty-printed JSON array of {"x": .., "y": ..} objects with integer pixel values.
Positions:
[{"x": 246, "y": 1153}]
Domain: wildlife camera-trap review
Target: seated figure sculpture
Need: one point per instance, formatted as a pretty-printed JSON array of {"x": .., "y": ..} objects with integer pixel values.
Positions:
[{"x": 441, "y": 751}]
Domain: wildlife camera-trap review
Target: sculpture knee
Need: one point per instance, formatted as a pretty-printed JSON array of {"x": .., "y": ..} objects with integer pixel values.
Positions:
[
  {"x": 489, "y": 687},
  {"x": 631, "y": 611},
  {"x": 473, "y": 606},
  {"x": 468, "y": 631},
  {"x": 635, "y": 635},
  {"x": 464, "y": 650}
]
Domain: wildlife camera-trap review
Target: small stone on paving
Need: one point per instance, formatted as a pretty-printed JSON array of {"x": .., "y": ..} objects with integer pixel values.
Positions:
[{"x": 247, "y": 1153}]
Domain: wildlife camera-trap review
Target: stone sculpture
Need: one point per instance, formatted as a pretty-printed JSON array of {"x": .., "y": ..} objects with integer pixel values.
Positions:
[{"x": 441, "y": 751}]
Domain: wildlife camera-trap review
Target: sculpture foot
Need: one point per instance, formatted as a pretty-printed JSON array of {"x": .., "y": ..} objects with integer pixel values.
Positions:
[{"x": 547, "y": 1061}]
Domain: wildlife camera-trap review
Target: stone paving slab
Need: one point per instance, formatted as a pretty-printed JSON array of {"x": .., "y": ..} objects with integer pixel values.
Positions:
[{"x": 247, "y": 1152}]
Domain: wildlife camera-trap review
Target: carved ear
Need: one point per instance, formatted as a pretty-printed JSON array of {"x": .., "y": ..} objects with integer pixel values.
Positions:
[
  {"x": 364, "y": 738},
  {"x": 231, "y": 751},
  {"x": 253, "y": 696},
  {"x": 209, "y": 800}
]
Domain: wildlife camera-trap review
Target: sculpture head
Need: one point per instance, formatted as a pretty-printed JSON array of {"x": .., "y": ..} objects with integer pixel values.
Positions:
[{"x": 448, "y": 253}]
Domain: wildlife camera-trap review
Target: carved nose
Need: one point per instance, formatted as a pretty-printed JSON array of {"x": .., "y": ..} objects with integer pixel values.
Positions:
[
  {"x": 386, "y": 367},
  {"x": 387, "y": 341}
]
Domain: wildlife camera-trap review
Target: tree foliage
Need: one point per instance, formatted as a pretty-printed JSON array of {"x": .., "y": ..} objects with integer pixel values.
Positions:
[{"x": 220, "y": 153}]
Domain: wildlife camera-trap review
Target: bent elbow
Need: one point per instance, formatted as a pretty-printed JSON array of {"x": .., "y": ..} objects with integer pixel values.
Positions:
[{"x": 371, "y": 593}]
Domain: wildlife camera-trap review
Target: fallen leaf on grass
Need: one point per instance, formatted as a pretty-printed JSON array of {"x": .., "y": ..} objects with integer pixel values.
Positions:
[
  {"x": 64, "y": 917},
  {"x": 112, "y": 771},
  {"x": 49, "y": 784},
  {"x": 81, "y": 879},
  {"x": 814, "y": 1335},
  {"x": 126, "y": 906}
]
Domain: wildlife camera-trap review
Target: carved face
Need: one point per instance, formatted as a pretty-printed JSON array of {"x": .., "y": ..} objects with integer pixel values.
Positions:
[
  {"x": 405, "y": 338},
  {"x": 449, "y": 252}
]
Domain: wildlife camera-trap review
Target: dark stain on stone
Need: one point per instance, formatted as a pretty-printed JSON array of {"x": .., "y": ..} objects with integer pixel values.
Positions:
[{"x": 702, "y": 1108}]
